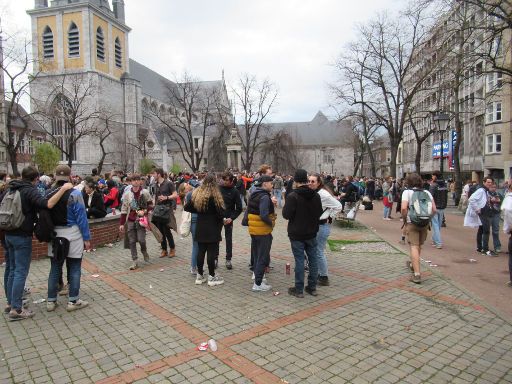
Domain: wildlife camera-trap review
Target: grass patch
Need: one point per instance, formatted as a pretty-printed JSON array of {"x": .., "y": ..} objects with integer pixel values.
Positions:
[{"x": 348, "y": 224}]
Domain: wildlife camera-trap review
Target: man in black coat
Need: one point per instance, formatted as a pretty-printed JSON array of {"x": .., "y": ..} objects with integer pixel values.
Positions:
[
  {"x": 302, "y": 209},
  {"x": 93, "y": 200},
  {"x": 233, "y": 203}
]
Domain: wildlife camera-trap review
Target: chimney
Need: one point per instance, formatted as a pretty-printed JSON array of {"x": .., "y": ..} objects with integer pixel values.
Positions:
[
  {"x": 118, "y": 6},
  {"x": 41, "y": 4}
]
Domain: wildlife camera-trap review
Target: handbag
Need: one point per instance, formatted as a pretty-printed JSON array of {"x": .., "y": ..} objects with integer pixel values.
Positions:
[
  {"x": 186, "y": 220},
  {"x": 161, "y": 214}
]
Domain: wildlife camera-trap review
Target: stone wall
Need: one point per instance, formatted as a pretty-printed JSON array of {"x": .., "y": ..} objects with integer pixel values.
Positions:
[{"x": 103, "y": 231}]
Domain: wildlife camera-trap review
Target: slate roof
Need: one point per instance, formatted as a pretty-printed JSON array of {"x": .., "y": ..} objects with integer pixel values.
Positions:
[
  {"x": 156, "y": 86},
  {"x": 319, "y": 131}
]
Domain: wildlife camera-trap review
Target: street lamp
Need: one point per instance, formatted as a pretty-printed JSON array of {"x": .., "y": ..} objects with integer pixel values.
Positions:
[
  {"x": 332, "y": 165},
  {"x": 441, "y": 121}
]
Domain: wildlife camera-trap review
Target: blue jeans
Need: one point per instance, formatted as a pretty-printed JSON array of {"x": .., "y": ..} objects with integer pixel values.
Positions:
[
  {"x": 195, "y": 246},
  {"x": 279, "y": 196},
  {"x": 75, "y": 272},
  {"x": 495, "y": 228},
  {"x": 262, "y": 245},
  {"x": 298, "y": 249},
  {"x": 20, "y": 256},
  {"x": 387, "y": 211},
  {"x": 321, "y": 241},
  {"x": 8, "y": 272},
  {"x": 437, "y": 220}
]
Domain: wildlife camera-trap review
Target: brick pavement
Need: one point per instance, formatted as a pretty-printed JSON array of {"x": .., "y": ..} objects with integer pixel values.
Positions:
[{"x": 370, "y": 325}]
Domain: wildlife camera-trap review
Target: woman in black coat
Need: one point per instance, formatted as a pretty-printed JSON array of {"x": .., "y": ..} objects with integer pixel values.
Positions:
[
  {"x": 93, "y": 201},
  {"x": 208, "y": 203}
]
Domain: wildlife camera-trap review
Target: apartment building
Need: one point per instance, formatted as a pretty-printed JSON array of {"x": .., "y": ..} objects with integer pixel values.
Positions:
[{"x": 457, "y": 78}]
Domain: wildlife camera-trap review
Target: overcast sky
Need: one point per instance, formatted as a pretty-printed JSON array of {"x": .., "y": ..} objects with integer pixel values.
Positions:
[{"x": 291, "y": 42}]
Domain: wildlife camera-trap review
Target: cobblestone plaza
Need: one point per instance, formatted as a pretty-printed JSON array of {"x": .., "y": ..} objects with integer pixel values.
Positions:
[{"x": 370, "y": 325}]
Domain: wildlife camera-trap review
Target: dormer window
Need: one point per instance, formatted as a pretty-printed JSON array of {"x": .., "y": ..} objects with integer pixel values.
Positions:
[
  {"x": 118, "y": 53},
  {"x": 100, "y": 44},
  {"x": 48, "y": 43},
  {"x": 73, "y": 41}
]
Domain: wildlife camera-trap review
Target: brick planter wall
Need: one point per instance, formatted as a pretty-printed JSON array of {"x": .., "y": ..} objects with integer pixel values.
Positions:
[{"x": 103, "y": 231}]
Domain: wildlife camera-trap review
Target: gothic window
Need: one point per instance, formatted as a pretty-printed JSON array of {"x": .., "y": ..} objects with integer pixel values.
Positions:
[
  {"x": 73, "y": 41},
  {"x": 145, "y": 112},
  {"x": 100, "y": 44},
  {"x": 48, "y": 43},
  {"x": 118, "y": 53},
  {"x": 63, "y": 133}
]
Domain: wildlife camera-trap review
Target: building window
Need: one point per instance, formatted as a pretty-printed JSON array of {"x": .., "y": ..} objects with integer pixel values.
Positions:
[
  {"x": 73, "y": 41},
  {"x": 48, "y": 43},
  {"x": 494, "y": 81},
  {"x": 493, "y": 112},
  {"x": 62, "y": 133},
  {"x": 493, "y": 143},
  {"x": 118, "y": 53},
  {"x": 100, "y": 44},
  {"x": 496, "y": 46}
]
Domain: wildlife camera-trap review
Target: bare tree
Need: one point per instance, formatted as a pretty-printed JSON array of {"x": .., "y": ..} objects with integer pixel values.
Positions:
[
  {"x": 105, "y": 129},
  {"x": 72, "y": 114},
  {"x": 255, "y": 100},
  {"x": 377, "y": 71},
  {"x": 283, "y": 151},
  {"x": 193, "y": 107},
  {"x": 15, "y": 62}
]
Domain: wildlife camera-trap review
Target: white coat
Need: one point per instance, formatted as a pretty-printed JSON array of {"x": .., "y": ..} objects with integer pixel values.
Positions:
[
  {"x": 506, "y": 207},
  {"x": 477, "y": 201}
]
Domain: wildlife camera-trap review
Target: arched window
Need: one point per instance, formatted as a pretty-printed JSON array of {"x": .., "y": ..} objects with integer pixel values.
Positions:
[
  {"x": 118, "y": 53},
  {"x": 145, "y": 112},
  {"x": 48, "y": 43},
  {"x": 73, "y": 41},
  {"x": 63, "y": 134},
  {"x": 100, "y": 44}
]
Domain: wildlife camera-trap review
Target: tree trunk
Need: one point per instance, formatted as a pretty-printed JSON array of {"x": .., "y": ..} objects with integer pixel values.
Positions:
[
  {"x": 373, "y": 168},
  {"x": 100, "y": 164},
  {"x": 392, "y": 163},
  {"x": 14, "y": 161},
  {"x": 417, "y": 158}
]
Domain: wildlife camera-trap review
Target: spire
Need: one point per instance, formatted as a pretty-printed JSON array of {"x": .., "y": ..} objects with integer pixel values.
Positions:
[
  {"x": 222, "y": 74},
  {"x": 118, "y": 6}
]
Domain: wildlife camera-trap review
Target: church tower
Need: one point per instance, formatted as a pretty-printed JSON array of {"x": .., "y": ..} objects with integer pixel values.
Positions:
[
  {"x": 85, "y": 40},
  {"x": 80, "y": 35}
]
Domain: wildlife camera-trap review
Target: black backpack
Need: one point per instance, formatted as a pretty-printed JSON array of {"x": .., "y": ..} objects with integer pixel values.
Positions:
[
  {"x": 441, "y": 196},
  {"x": 45, "y": 229},
  {"x": 472, "y": 189}
]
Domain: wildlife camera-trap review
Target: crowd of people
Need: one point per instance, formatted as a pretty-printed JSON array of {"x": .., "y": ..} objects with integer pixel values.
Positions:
[{"x": 212, "y": 203}]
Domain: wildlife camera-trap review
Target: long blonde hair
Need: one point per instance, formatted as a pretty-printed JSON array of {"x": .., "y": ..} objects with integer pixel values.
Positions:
[{"x": 202, "y": 194}]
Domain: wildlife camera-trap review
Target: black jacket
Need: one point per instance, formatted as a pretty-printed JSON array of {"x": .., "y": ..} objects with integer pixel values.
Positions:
[
  {"x": 232, "y": 202},
  {"x": 209, "y": 222},
  {"x": 97, "y": 208},
  {"x": 31, "y": 202},
  {"x": 302, "y": 209}
]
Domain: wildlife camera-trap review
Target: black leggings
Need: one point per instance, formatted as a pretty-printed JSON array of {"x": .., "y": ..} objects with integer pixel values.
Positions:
[
  {"x": 211, "y": 250},
  {"x": 166, "y": 236}
]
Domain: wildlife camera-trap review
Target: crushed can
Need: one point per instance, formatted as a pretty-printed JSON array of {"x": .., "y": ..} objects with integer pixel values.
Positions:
[{"x": 288, "y": 268}]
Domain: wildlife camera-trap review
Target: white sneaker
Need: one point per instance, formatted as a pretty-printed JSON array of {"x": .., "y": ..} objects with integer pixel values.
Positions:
[
  {"x": 50, "y": 306},
  {"x": 134, "y": 266},
  {"x": 200, "y": 279},
  {"x": 263, "y": 287},
  {"x": 78, "y": 305},
  {"x": 253, "y": 277},
  {"x": 215, "y": 280}
]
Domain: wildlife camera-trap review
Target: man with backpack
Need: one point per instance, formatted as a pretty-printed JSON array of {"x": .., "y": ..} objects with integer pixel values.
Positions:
[
  {"x": 439, "y": 191},
  {"x": 418, "y": 207},
  {"x": 18, "y": 214}
]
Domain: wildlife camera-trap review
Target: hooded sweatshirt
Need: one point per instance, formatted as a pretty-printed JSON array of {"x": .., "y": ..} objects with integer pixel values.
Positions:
[
  {"x": 31, "y": 203},
  {"x": 302, "y": 209}
]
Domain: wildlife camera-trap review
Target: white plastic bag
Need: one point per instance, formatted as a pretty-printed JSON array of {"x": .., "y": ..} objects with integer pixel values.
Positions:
[
  {"x": 186, "y": 219},
  {"x": 351, "y": 215}
]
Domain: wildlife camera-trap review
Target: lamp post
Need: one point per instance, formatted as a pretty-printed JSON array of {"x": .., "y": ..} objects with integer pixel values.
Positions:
[
  {"x": 332, "y": 165},
  {"x": 441, "y": 121}
]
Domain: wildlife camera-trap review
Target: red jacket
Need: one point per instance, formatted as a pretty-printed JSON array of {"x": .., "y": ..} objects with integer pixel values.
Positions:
[{"x": 111, "y": 199}]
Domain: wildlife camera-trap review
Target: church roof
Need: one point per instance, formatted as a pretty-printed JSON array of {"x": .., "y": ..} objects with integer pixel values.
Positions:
[
  {"x": 319, "y": 131},
  {"x": 152, "y": 83},
  {"x": 156, "y": 86}
]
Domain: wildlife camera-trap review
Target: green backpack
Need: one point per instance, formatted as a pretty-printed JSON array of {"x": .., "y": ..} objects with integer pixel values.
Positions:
[{"x": 420, "y": 208}]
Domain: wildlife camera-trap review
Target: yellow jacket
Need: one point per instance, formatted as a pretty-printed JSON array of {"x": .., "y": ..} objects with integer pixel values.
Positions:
[{"x": 258, "y": 227}]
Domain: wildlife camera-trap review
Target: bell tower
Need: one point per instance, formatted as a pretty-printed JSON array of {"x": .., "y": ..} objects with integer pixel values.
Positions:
[{"x": 80, "y": 36}]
